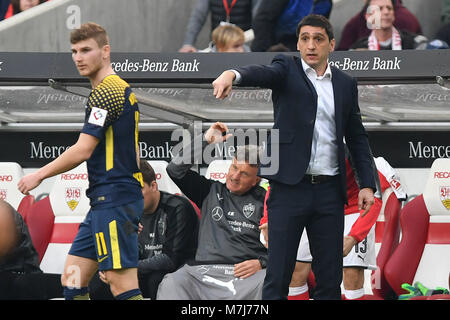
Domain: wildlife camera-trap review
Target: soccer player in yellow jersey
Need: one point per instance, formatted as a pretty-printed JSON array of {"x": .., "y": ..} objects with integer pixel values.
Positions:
[{"x": 107, "y": 238}]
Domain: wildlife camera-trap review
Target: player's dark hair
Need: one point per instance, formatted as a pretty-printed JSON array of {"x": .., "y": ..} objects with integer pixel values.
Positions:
[
  {"x": 90, "y": 30},
  {"x": 315, "y": 20},
  {"x": 148, "y": 174}
]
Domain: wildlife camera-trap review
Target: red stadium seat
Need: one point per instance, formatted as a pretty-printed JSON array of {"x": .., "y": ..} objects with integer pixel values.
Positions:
[
  {"x": 387, "y": 235},
  {"x": 423, "y": 253},
  {"x": 438, "y": 297},
  {"x": 10, "y": 174},
  {"x": 53, "y": 221},
  {"x": 196, "y": 208},
  {"x": 25, "y": 206},
  {"x": 387, "y": 227},
  {"x": 40, "y": 222}
]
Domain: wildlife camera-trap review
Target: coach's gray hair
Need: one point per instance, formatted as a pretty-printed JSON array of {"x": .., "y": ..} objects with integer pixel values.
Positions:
[{"x": 249, "y": 153}]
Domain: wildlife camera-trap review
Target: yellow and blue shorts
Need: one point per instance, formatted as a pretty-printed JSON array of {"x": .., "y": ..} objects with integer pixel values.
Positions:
[{"x": 109, "y": 236}]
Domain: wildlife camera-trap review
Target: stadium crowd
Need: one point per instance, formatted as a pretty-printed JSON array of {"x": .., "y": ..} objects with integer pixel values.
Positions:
[{"x": 270, "y": 25}]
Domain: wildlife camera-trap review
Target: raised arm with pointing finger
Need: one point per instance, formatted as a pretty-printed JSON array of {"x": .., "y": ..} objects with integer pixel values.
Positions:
[{"x": 315, "y": 109}]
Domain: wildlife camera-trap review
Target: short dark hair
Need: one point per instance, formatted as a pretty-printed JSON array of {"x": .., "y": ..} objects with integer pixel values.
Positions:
[
  {"x": 367, "y": 3},
  {"x": 7, "y": 209},
  {"x": 148, "y": 174},
  {"x": 90, "y": 30},
  {"x": 6, "y": 206},
  {"x": 316, "y": 20}
]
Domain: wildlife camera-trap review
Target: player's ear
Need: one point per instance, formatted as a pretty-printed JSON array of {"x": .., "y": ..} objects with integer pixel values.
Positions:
[
  {"x": 106, "y": 51},
  {"x": 258, "y": 180},
  {"x": 332, "y": 45}
]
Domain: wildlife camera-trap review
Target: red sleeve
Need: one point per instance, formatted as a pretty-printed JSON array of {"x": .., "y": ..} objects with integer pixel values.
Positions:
[
  {"x": 9, "y": 12},
  {"x": 352, "y": 190},
  {"x": 362, "y": 225},
  {"x": 383, "y": 182},
  {"x": 264, "y": 218}
]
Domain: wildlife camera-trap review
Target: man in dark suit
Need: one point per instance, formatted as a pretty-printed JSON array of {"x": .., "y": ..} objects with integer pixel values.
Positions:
[{"x": 315, "y": 108}]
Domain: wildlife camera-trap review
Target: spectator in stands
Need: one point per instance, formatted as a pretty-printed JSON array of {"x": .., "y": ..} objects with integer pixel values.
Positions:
[
  {"x": 239, "y": 13},
  {"x": 445, "y": 11},
  {"x": 227, "y": 37},
  {"x": 276, "y": 21},
  {"x": 20, "y": 275},
  {"x": 168, "y": 237},
  {"x": 443, "y": 34},
  {"x": 18, "y": 6},
  {"x": 356, "y": 27},
  {"x": 442, "y": 37},
  {"x": 230, "y": 260},
  {"x": 384, "y": 35},
  {"x": 4, "y": 5}
]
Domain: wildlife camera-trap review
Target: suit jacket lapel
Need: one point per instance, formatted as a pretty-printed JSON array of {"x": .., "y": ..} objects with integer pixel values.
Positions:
[{"x": 298, "y": 62}]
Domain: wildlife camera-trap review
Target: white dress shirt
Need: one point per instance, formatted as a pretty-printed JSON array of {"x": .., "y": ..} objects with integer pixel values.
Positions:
[{"x": 324, "y": 151}]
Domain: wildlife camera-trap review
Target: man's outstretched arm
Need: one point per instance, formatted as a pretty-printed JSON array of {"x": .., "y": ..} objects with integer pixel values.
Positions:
[{"x": 71, "y": 158}]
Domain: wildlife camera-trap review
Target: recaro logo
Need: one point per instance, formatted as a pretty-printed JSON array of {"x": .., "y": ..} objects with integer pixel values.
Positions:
[{"x": 74, "y": 176}]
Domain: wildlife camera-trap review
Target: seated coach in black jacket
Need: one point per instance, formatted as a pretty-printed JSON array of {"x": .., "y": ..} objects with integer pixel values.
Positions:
[{"x": 230, "y": 259}]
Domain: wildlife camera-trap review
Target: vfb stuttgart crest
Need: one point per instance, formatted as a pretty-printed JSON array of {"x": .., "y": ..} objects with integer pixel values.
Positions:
[
  {"x": 3, "y": 194},
  {"x": 73, "y": 196},
  {"x": 248, "y": 210},
  {"x": 445, "y": 196}
]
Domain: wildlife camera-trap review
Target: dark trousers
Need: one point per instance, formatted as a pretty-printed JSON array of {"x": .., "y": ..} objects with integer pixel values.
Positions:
[
  {"x": 30, "y": 286},
  {"x": 320, "y": 209}
]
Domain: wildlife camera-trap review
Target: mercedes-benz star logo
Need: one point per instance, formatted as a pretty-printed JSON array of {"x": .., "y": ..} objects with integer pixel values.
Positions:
[{"x": 217, "y": 213}]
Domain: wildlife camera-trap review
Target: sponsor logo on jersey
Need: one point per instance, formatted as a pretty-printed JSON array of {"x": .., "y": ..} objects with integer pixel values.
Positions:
[
  {"x": 395, "y": 183},
  {"x": 98, "y": 116},
  {"x": 217, "y": 213},
  {"x": 202, "y": 269}
]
